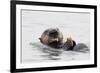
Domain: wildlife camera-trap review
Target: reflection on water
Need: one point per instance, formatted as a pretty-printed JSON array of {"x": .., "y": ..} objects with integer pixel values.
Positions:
[
  {"x": 47, "y": 53},
  {"x": 50, "y": 53}
]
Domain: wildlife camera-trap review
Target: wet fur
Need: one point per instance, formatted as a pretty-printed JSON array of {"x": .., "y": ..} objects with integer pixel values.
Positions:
[{"x": 67, "y": 44}]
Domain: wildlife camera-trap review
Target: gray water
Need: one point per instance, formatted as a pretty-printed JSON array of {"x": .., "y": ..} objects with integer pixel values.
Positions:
[{"x": 76, "y": 25}]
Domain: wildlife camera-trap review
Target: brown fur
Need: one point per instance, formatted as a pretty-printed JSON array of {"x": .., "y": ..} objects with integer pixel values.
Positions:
[
  {"x": 70, "y": 41},
  {"x": 47, "y": 40}
]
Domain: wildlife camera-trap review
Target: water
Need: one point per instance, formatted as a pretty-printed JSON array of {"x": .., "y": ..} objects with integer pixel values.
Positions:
[{"x": 34, "y": 23}]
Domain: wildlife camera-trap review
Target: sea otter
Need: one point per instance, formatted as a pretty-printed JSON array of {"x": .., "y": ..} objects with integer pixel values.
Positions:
[{"x": 52, "y": 37}]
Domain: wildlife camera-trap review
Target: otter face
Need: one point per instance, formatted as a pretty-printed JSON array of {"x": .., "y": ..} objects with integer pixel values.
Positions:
[
  {"x": 52, "y": 38},
  {"x": 53, "y": 35}
]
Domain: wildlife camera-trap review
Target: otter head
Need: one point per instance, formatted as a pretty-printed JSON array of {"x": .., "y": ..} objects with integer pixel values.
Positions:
[{"x": 52, "y": 37}]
